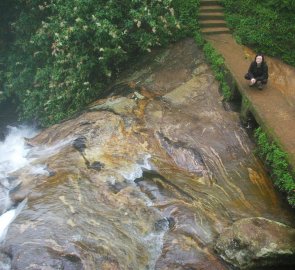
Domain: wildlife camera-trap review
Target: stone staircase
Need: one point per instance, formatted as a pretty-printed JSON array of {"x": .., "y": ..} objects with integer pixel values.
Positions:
[{"x": 211, "y": 18}]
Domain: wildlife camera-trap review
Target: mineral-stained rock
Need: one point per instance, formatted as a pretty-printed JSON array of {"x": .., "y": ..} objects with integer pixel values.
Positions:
[
  {"x": 253, "y": 243},
  {"x": 140, "y": 184},
  {"x": 121, "y": 105}
]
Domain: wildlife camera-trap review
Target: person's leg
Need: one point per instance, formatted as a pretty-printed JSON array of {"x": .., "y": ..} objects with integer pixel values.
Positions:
[{"x": 261, "y": 83}]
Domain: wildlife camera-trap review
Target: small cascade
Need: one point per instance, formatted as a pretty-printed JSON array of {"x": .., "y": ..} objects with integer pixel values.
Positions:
[
  {"x": 17, "y": 153},
  {"x": 8, "y": 217},
  {"x": 153, "y": 241},
  {"x": 14, "y": 151}
]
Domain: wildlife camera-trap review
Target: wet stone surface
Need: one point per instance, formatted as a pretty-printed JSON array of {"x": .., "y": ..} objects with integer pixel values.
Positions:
[{"x": 152, "y": 187}]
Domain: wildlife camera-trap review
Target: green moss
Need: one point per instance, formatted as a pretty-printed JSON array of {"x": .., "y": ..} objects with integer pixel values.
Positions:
[
  {"x": 277, "y": 161},
  {"x": 216, "y": 62}
]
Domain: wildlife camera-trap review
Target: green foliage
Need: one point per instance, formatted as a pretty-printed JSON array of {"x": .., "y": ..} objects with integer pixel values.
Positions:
[
  {"x": 216, "y": 62},
  {"x": 8, "y": 13},
  {"x": 65, "y": 52},
  {"x": 199, "y": 39},
  {"x": 276, "y": 159},
  {"x": 186, "y": 12},
  {"x": 267, "y": 26}
]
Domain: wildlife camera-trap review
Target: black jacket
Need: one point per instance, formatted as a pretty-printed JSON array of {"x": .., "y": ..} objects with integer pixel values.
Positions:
[{"x": 259, "y": 73}]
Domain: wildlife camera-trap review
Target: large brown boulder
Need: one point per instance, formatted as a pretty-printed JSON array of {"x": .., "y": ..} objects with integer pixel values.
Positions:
[{"x": 255, "y": 243}]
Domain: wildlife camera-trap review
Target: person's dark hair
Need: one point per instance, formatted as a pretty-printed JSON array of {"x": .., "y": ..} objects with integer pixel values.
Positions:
[{"x": 259, "y": 54}]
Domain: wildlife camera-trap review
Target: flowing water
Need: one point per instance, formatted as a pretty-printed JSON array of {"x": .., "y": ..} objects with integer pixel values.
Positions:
[{"x": 137, "y": 183}]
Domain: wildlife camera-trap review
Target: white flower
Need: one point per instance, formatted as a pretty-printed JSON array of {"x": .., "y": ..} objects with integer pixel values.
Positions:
[
  {"x": 113, "y": 34},
  {"x": 138, "y": 24},
  {"x": 171, "y": 11}
]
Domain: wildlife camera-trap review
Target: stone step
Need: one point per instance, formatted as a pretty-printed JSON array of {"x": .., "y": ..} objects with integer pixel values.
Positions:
[
  {"x": 215, "y": 30},
  {"x": 211, "y": 15},
  {"x": 214, "y": 8},
  {"x": 212, "y": 23},
  {"x": 210, "y": 2}
]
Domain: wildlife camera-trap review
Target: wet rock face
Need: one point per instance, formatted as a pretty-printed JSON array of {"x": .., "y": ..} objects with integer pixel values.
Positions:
[
  {"x": 145, "y": 181},
  {"x": 185, "y": 157},
  {"x": 254, "y": 243},
  {"x": 45, "y": 258}
]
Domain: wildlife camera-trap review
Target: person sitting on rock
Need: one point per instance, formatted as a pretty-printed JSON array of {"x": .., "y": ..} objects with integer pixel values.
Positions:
[{"x": 258, "y": 72}]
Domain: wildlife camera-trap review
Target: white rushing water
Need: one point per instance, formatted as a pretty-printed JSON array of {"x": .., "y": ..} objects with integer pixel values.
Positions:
[
  {"x": 8, "y": 217},
  {"x": 13, "y": 156},
  {"x": 153, "y": 241},
  {"x": 16, "y": 153},
  {"x": 135, "y": 171},
  {"x": 14, "y": 150}
]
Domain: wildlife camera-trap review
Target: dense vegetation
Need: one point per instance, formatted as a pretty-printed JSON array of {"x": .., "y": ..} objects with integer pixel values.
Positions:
[
  {"x": 276, "y": 159},
  {"x": 266, "y": 26},
  {"x": 61, "y": 54}
]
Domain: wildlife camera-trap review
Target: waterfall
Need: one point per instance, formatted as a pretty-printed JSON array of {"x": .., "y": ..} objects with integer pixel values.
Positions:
[
  {"x": 8, "y": 217},
  {"x": 14, "y": 152}
]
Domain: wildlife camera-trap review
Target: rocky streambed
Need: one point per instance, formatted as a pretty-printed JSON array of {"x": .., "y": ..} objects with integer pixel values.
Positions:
[{"x": 157, "y": 175}]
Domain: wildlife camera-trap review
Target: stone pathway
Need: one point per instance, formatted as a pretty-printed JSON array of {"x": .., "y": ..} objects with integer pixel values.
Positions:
[{"x": 274, "y": 107}]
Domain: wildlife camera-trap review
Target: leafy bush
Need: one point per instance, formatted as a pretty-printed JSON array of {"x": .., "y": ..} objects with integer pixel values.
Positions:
[
  {"x": 276, "y": 159},
  {"x": 65, "y": 52},
  {"x": 266, "y": 26},
  {"x": 186, "y": 12}
]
